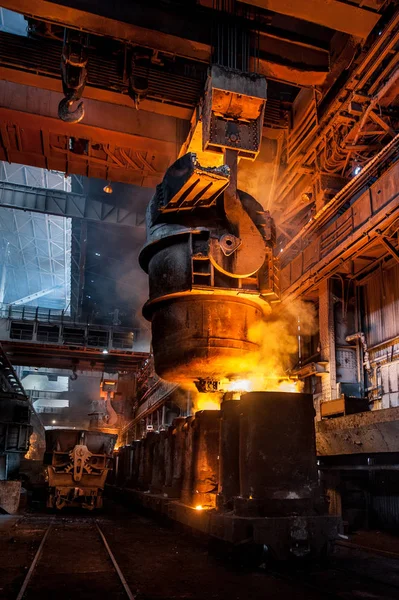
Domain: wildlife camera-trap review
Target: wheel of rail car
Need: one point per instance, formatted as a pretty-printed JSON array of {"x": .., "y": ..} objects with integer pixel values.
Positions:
[{"x": 60, "y": 502}]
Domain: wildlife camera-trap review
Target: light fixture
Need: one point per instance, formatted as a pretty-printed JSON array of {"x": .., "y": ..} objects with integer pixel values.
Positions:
[
  {"x": 108, "y": 188},
  {"x": 54, "y": 422},
  {"x": 105, "y": 351}
]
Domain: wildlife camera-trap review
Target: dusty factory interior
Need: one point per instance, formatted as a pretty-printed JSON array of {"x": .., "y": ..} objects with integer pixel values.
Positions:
[{"x": 199, "y": 299}]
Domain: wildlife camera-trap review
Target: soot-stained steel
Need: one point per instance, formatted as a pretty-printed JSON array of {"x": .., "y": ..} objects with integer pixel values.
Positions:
[{"x": 205, "y": 298}]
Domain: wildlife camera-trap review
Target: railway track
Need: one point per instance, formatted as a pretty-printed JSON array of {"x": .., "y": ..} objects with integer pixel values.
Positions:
[
  {"x": 88, "y": 557},
  {"x": 69, "y": 564}
]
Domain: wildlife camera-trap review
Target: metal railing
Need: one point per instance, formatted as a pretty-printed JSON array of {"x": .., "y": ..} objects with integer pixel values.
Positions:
[{"x": 46, "y": 326}]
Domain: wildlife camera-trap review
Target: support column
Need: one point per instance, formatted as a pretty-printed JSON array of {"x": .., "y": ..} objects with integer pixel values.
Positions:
[
  {"x": 332, "y": 482},
  {"x": 327, "y": 340}
]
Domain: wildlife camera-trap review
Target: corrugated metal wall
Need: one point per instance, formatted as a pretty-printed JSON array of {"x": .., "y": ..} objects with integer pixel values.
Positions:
[
  {"x": 382, "y": 327},
  {"x": 382, "y": 306},
  {"x": 384, "y": 500},
  {"x": 385, "y": 511}
]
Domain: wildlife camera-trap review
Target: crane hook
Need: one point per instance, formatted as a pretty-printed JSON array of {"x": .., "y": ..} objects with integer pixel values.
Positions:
[{"x": 70, "y": 116}]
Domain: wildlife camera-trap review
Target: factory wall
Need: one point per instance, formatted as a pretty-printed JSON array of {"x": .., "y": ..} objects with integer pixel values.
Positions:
[
  {"x": 381, "y": 324},
  {"x": 382, "y": 306}
]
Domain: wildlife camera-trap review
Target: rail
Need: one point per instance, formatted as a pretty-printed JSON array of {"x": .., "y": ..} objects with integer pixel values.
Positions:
[{"x": 36, "y": 559}]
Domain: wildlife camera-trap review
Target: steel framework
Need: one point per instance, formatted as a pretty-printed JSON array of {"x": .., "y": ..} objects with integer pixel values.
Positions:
[{"x": 36, "y": 248}]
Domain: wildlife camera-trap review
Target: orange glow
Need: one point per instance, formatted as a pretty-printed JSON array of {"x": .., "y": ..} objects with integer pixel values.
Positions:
[
  {"x": 239, "y": 385},
  {"x": 199, "y": 507},
  {"x": 259, "y": 382},
  {"x": 36, "y": 448},
  {"x": 209, "y": 401},
  {"x": 279, "y": 341}
]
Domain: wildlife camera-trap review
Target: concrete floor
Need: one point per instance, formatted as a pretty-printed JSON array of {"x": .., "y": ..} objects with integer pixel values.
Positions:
[
  {"x": 161, "y": 563},
  {"x": 8, "y": 521}
]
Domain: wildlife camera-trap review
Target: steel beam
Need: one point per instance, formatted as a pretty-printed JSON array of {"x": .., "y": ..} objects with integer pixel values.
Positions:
[
  {"x": 327, "y": 341},
  {"x": 364, "y": 77},
  {"x": 333, "y": 14},
  {"x": 360, "y": 227},
  {"x": 302, "y": 62},
  {"x": 35, "y": 296},
  {"x": 78, "y": 206},
  {"x": 119, "y": 145},
  {"x": 46, "y": 82},
  {"x": 149, "y": 130},
  {"x": 153, "y": 403},
  {"x": 60, "y": 357},
  {"x": 110, "y": 20},
  {"x": 391, "y": 248}
]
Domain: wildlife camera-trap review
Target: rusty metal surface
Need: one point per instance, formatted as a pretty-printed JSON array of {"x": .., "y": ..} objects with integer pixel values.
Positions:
[
  {"x": 64, "y": 440},
  {"x": 247, "y": 235},
  {"x": 267, "y": 441},
  {"x": 329, "y": 146},
  {"x": 86, "y": 482},
  {"x": 121, "y": 145},
  {"x": 72, "y": 357},
  {"x": 9, "y": 496},
  {"x": 302, "y": 62},
  {"x": 177, "y": 82},
  {"x": 277, "y": 452},
  {"x": 233, "y": 111},
  {"x": 192, "y": 337},
  {"x": 382, "y": 314},
  {"x": 362, "y": 230},
  {"x": 104, "y": 25},
  {"x": 77, "y": 462},
  {"x": 334, "y": 14},
  {"x": 206, "y": 451},
  {"x": 188, "y": 185},
  {"x": 208, "y": 272},
  {"x": 229, "y": 474},
  {"x": 95, "y": 93},
  {"x": 369, "y": 432},
  {"x": 327, "y": 341},
  {"x": 254, "y": 461}
]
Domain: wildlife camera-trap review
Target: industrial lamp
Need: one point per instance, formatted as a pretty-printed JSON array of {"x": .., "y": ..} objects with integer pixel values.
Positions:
[{"x": 108, "y": 188}]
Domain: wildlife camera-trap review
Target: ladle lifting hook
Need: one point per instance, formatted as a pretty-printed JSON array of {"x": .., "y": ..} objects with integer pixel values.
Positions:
[
  {"x": 74, "y": 61},
  {"x": 71, "y": 116}
]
